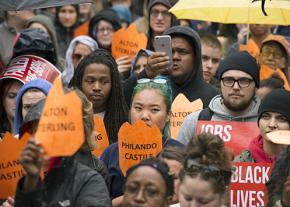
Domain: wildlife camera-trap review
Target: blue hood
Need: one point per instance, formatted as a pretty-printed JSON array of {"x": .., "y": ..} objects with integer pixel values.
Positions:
[{"x": 39, "y": 84}]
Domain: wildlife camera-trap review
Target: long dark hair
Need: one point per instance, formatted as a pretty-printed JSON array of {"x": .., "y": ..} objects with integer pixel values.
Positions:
[
  {"x": 116, "y": 111},
  {"x": 5, "y": 126}
]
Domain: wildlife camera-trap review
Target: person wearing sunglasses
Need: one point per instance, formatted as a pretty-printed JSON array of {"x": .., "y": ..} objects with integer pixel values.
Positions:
[
  {"x": 238, "y": 75},
  {"x": 206, "y": 173},
  {"x": 151, "y": 103},
  {"x": 274, "y": 114}
]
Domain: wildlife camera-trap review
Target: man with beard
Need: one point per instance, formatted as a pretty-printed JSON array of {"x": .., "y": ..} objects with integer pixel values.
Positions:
[{"x": 239, "y": 77}]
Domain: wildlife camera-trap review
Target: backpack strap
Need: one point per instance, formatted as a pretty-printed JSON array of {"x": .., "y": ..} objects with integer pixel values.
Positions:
[{"x": 205, "y": 114}]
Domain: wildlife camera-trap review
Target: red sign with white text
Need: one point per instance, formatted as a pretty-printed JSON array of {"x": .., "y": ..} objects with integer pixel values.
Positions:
[
  {"x": 248, "y": 185},
  {"x": 26, "y": 68},
  {"x": 236, "y": 135}
]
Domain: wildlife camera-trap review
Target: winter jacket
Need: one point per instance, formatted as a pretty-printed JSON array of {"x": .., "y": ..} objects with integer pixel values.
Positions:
[
  {"x": 255, "y": 153},
  {"x": 71, "y": 184},
  {"x": 39, "y": 84},
  {"x": 111, "y": 159},
  {"x": 194, "y": 87},
  {"x": 220, "y": 113}
]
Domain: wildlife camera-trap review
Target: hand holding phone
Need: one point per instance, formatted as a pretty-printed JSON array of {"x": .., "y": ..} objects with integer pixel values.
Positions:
[{"x": 163, "y": 44}]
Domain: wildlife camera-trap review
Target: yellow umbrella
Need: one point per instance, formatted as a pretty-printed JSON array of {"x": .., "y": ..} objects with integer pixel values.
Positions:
[{"x": 234, "y": 11}]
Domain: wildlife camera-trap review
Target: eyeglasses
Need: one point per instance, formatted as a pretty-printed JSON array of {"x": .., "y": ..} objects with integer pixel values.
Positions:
[
  {"x": 274, "y": 53},
  {"x": 158, "y": 80},
  {"x": 156, "y": 13},
  {"x": 242, "y": 82},
  {"x": 109, "y": 30}
]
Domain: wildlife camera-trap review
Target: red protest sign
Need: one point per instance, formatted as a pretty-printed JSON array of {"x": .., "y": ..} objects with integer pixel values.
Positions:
[
  {"x": 181, "y": 107},
  {"x": 137, "y": 142},
  {"x": 248, "y": 184},
  {"x": 26, "y": 68},
  {"x": 10, "y": 169},
  {"x": 127, "y": 42},
  {"x": 236, "y": 135}
]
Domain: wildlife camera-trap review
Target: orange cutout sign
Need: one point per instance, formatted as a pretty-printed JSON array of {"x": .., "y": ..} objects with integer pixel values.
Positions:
[
  {"x": 181, "y": 107},
  {"x": 280, "y": 137},
  {"x": 101, "y": 137},
  {"x": 10, "y": 169},
  {"x": 127, "y": 42},
  {"x": 137, "y": 142},
  {"x": 60, "y": 131}
]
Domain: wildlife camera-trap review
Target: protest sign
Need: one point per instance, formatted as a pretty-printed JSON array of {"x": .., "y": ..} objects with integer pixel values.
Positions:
[
  {"x": 26, "y": 68},
  {"x": 181, "y": 107},
  {"x": 280, "y": 136},
  {"x": 60, "y": 131},
  {"x": 236, "y": 135},
  {"x": 101, "y": 137},
  {"x": 137, "y": 142},
  {"x": 248, "y": 185},
  {"x": 127, "y": 42},
  {"x": 10, "y": 169}
]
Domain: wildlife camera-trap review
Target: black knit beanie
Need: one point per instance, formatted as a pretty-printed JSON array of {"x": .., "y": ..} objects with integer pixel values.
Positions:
[
  {"x": 166, "y": 3},
  {"x": 277, "y": 101},
  {"x": 161, "y": 167},
  {"x": 242, "y": 61}
]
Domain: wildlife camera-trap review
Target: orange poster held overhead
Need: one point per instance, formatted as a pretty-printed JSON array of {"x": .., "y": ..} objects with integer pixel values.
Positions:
[
  {"x": 10, "y": 169},
  {"x": 127, "y": 42},
  {"x": 181, "y": 107},
  {"x": 137, "y": 142},
  {"x": 248, "y": 184},
  {"x": 236, "y": 135},
  {"x": 101, "y": 137},
  {"x": 60, "y": 131}
]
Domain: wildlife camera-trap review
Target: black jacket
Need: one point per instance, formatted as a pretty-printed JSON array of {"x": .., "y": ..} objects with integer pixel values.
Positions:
[
  {"x": 194, "y": 87},
  {"x": 72, "y": 184}
]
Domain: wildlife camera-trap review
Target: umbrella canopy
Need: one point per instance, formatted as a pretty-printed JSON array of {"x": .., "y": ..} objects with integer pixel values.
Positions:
[
  {"x": 15, "y": 5},
  {"x": 234, "y": 11}
]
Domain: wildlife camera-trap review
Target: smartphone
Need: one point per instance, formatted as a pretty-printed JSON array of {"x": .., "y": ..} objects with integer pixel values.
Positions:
[{"x": 163, "y": 44}]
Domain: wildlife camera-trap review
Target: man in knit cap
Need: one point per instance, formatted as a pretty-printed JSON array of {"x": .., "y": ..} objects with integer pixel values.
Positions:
[{"x": 238, "y": 75}]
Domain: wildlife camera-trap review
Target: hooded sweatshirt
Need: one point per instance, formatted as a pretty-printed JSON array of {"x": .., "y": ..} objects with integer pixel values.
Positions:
[
  {"x": 194, "y": 87},
  {"x": 47, "y": 23},
  {"x": 220, "y": 113},
  {"x": 266, "y": 71},
  {"x": 39, "y": 84},
  {"x": 108, "y": 15},
  {"x": 69, "y": 67}
]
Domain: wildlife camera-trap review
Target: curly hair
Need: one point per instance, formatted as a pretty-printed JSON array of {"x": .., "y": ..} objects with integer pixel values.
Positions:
[{"x": 206, "y": 158}]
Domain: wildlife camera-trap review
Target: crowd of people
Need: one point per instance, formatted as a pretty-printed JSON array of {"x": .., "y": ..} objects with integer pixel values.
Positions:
[{"x": 238, "y": 77}]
